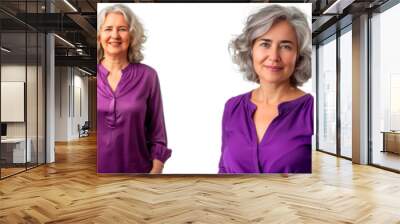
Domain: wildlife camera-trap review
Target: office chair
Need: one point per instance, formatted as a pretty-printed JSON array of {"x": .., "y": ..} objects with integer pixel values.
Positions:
[{"x": 84, "y": 130}]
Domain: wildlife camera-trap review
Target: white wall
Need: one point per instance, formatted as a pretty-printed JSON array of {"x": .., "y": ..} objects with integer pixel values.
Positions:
[
  {"x": 80, "y": 100},
  {"x": 82, "y": 83},
  {"x": 61, "y": 103},
  {"x": 15, "y": 72},
  {"x": 68, "y": 81},
  {"x": 12, "y": 100},
  {"x": 33, "y": 127}
]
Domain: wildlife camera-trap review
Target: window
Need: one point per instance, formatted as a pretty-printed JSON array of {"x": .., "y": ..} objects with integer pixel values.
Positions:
[
  {"x": 327, "y": 96},
  {"x": 346, "y": 93},
  {"x": 385, "y": 89}
]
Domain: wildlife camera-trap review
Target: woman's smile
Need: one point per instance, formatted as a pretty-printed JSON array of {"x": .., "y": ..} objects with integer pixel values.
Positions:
[{"x": 274, "y": 68}]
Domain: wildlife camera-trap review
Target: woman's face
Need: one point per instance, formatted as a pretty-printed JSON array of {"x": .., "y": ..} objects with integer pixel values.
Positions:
[
  {"x": 114, "y": 35},
  {"x": 275, "y": 53}
]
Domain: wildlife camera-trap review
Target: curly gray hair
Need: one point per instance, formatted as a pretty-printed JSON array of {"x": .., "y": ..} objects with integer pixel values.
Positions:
[
  {"x": 135, "y": 29},
  {"x": 258, "y": 24}
]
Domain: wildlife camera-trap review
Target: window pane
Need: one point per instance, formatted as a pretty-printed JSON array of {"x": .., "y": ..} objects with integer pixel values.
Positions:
[
  {"x": 327, "y": 97},
  {"x": 14, "y": 153},
  {"x": 385, "y": 86},
  {"x": 31, "y": 97},
  {"x": 345, "y": 94},
  {"x": 41, "y": 98}
]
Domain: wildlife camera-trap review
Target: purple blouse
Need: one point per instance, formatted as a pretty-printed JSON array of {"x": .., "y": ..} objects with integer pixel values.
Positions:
[
  {"x": 130, "y": 121},
  {"x": 285, "y": 146}
]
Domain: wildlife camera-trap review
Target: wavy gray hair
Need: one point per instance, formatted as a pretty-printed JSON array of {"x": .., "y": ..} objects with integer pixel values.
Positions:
[
  {"x": 135, "y": 30},
  {"x": 258, "y": 24}
]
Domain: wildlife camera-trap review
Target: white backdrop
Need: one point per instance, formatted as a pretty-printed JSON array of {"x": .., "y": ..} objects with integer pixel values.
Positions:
[{"x": 187, "y": 44}]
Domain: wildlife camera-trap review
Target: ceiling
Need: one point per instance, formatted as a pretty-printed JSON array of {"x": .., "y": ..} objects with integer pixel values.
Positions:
[
  {"x": 331, "y": 16},
  {"x": 32, "y": 16}
]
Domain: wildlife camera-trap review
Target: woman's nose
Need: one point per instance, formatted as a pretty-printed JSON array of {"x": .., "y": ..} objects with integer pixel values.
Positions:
[
  {"x": 114, "y": 33},
  {"x": 274, "y": 54}
]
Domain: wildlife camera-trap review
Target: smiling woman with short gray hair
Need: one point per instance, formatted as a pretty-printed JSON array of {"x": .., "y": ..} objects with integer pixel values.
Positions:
[{"x": 269, "y": 129}]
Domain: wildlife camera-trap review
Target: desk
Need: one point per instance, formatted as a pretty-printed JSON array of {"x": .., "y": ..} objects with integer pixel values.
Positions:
[
  {"x": 15, "y": 148},
  {"x": 391, "y": 141}
]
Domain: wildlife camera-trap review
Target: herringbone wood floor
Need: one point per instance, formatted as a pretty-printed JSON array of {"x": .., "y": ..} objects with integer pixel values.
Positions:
[{"x": 70, "y": 191}]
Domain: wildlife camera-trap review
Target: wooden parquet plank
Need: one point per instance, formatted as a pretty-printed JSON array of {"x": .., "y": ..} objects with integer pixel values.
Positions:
[{"x": 70, "y": 191}]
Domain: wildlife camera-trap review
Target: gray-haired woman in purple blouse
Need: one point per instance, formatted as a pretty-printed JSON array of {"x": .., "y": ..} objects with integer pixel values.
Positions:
[
  {"x": 131, "y": 136},
  {"x": 269, "y": 129}
]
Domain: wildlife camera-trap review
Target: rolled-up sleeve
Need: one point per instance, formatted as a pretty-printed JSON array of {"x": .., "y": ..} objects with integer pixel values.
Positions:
[
  {"x": 221, "y": 161},
  {"x": 155, "y": 124}
]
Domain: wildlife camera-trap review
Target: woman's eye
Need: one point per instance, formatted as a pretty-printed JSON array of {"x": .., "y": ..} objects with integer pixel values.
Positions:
[
  {"x": 288, "y": 47},
  {"x": 264, "y": 44}
]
